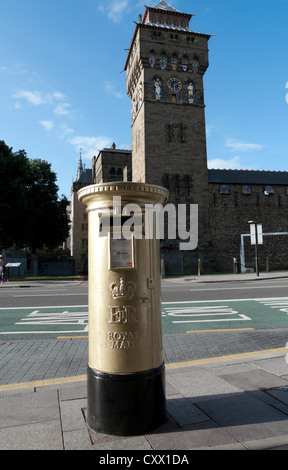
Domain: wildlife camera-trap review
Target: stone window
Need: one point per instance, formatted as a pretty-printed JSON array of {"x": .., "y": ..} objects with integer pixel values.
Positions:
[
  {"x": 195, "y": 65},
  {"x": 152, "y": 59},
  {"x": 187, "y": 186},
  {"x": 185, "y": 63},
  {"x": 177, "y": 186},
  {"x": 163, "y": 61},
  {"x": 156, "y": 34},
  {"x": 246, "y": 189},
  {"x": 224, "y": 189},
  {"x": 112, "y": 172},
  {"x": 120, "y": 174},
  {"x": 166, "y": 181},
  {"x": 268, "y": 190},
  {"x": 174, "y": 62}
]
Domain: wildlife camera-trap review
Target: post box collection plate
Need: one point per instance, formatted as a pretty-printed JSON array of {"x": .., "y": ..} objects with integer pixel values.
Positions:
[{"x": 121, "y": 253}]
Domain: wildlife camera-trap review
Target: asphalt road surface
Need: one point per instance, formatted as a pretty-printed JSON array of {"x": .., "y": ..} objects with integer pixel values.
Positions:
[
  {"x": 44, "y": 327},
  {"x": 51, "y": 310}
]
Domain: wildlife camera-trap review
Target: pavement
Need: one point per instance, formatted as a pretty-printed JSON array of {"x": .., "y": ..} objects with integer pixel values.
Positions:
[{"x": 235, "y": 400}]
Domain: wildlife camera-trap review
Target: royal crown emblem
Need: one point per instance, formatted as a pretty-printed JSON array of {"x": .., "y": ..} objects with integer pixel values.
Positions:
[{"x": 122, "y": 289}]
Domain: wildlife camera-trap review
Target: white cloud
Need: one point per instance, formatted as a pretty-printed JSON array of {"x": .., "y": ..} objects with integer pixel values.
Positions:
[
  {"x": 38, "y": 98},
  {"x": 115, "y": 9},
  {"x": 59, "y": 96},
  {"x": 110, "y": 88},
  {"x": 239, "y": 146},
  {"x": 221, "y": 164},
  {"x": 90, "y": 145},
  {"x": 65, "y": 131},
  {"x": 48, "y": 125},
  {"x": 35, "y": 98},
  {"x": 62, "y": 109}
]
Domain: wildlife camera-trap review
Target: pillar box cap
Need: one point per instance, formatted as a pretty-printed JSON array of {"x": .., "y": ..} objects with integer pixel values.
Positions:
[{"x": 101, "y": 195}]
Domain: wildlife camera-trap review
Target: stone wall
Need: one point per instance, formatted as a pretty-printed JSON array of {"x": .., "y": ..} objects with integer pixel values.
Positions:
[
  {"x": 229, "y": 216},
  {"x": 79, "y": 229}
]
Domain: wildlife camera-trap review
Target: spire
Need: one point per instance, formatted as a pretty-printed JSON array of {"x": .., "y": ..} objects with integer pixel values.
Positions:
[{"x": 80, "y": 167}]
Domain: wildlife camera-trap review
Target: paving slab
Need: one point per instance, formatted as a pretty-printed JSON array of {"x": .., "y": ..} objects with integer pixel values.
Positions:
[
  {"x": 27, "y": 408},
  {"x": 240, "y": 403},
  {"x": 45, "y": 435},
  {"x": 244, "y": 417}
]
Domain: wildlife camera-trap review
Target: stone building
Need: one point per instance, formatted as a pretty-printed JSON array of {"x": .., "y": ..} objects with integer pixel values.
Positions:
[
  {"x": 165, "y": 67},
  {"x": 78, "y": 240},
  {"x": 239, "y": 196},
  {"x": 112, "y": 165},
  {"x": 165, "y": 70}
]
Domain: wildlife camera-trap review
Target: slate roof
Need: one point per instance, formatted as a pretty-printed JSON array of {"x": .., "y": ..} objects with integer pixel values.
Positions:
[
  {"x": 248, "y": 177},
  {"x": 164, "y": 6},
  {"x": 85, "y": 176}
]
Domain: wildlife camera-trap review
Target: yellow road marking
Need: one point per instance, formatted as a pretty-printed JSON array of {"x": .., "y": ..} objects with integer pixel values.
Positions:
[
  {"x": 72, "y": 337},
  {"x": 43, "y": 383},
  {"x": 176, "y": 365}
]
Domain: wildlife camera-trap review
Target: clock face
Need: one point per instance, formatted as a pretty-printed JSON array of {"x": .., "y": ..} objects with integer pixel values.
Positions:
[{"x": 174, "y": 85}]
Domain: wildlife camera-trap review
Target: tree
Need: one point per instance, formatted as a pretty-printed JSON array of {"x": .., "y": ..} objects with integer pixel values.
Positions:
[
  {"x": 31, "y": 214},
  {"x": 13, "y": 204}
]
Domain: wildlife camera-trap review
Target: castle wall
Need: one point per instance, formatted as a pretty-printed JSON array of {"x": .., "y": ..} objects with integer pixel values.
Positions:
[
  {"x": 229, "y": 216},
  {"x": 79, "y": 230}
]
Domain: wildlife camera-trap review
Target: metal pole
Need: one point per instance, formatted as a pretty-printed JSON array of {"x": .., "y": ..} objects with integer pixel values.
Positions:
[{"x": 256, "y": 250}]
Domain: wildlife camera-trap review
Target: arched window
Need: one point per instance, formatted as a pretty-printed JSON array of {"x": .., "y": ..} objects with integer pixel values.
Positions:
[
  {"x": 187, "y": 186},
  {"x": 152, "y": 59},
  {"x": 185, "y": 63},
  {"x": 112, "y": 173},
  {"x": 195, "y": 65},
  {"x": 163, "y": 61},
  {"x": 166, "y": 181},
  {"x": 120, "y": 174},
  {"x": 174, "y": 62}
]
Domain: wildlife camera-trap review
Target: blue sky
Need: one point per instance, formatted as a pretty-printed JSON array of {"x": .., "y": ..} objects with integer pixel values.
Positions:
[{"x": 61, "y": 86}]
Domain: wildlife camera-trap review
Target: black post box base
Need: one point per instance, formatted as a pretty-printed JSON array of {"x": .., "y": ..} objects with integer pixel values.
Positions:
[{"x": 126, "y": 405}]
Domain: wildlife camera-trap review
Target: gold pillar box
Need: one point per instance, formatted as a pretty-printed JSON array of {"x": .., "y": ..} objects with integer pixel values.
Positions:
[{"x": 125, "y": 366}]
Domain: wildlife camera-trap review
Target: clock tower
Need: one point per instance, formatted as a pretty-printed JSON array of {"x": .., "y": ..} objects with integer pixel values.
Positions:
[{"x": 165, "y": 66}]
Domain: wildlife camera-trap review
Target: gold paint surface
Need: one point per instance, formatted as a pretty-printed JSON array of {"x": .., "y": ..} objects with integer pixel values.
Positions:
[{"x": 125, "y": 324}]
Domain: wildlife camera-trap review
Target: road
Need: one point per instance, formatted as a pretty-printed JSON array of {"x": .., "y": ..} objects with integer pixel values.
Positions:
[
  {"x": 191, "y": 291},
  {"x": 44, "y": 327},
  {"x": 50, "y": 310}
]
